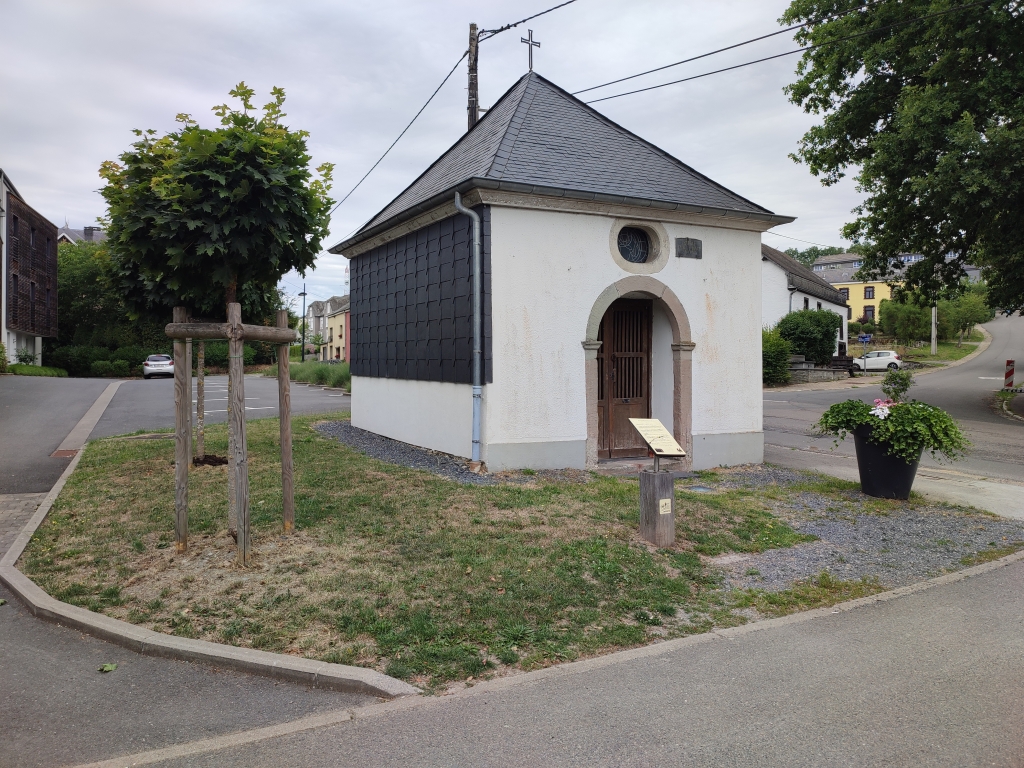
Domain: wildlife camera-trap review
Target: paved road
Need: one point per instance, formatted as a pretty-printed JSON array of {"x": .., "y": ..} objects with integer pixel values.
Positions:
[
  {"x": 966, "y": 391},
  {"x": 36, "y": 414},
  {"x": 929, "y": 679}
]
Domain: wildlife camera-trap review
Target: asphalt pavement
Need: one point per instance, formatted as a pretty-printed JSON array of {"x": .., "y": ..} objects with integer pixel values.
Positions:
[{"x": 966, "y": 391}]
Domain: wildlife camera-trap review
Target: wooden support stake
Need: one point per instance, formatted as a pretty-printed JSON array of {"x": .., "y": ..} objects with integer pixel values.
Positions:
[
  {"x": 201, "y": 401},
  {"x": 188, "y": 370},
  {"x": 657, "y": 508},
  {"x": 232, "y": 507},
  {"x": 236, "y": 375},
  {"x": 182, "y": 438},
  {"x": 284, "y": 410}
]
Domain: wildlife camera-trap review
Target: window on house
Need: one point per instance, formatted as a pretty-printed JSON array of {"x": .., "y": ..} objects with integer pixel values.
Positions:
[
  {"x": 819, "y": 305},
  {"x": 842, "y": 330},
  {"x": 807, "y": 303},
  {"x": 849, "y": 313},
  {"x": 845, "y": 293},
  {"x": 47, "y": 305},
  {"x": 14, "y": 296},
  {"x": 869, "y": 292},
  {"x": 858, "y": 263},
  {"x": 14, "y": 226},
  {"x": 32, "y": 305},
  {"x": 869, "y": 312},
  {"x": 32, "y": 237}
]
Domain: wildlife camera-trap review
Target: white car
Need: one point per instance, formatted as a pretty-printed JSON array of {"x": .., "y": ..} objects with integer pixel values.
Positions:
[
  {"x": 158, "y": 365},
  {"x": 878, "y": 361}
]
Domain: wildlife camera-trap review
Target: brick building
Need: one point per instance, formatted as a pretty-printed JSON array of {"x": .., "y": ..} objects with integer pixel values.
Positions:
[{"x": 28, "y": 262}]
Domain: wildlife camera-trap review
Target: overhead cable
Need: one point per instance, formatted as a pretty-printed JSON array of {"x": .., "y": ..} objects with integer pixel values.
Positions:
[
  {"x": 492, "y": 32},
  {"x": 798, "y": 50}
]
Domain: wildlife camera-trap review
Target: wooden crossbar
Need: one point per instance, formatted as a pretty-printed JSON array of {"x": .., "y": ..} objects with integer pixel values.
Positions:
[{"x": 224, "y": 331}]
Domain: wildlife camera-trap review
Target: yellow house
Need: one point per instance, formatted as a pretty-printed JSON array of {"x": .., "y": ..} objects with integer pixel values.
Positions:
[
  {"x": 336, "y": 345},
  {"x": 863, "y": 297}
]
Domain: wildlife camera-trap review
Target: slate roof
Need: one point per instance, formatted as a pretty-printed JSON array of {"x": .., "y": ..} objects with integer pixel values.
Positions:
[
  {"x": 542, "y": 140},
  {"x": 801, "y": 277},
  {"x": 78, "y": 235}
]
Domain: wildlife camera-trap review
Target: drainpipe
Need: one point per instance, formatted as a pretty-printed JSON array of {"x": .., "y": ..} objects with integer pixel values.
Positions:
[
  {"x": 477, "y": 329},
  {"x": 792, "y": 290}
]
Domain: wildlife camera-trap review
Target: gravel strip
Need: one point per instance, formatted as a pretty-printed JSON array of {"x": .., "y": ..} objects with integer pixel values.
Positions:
[
  {"x": 903, "y": 547},
  {"x": 443, "y": 464}
]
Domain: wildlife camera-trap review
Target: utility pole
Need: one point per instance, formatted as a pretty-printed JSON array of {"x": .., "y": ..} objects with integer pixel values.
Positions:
[
  {"x": 474, "y": 92},
  {"x": 303, "y": 295},
  {"x": 935, "y": 330}
]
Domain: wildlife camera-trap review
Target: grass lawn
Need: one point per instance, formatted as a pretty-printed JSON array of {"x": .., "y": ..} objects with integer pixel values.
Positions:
[{"x": 398, "y": 569}]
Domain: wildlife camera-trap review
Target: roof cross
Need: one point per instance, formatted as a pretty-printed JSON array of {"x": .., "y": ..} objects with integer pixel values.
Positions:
[{"x": 530, "y": 45}]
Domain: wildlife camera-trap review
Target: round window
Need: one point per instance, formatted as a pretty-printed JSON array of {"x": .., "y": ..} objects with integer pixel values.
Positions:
[{"x": 634, "y": 245}]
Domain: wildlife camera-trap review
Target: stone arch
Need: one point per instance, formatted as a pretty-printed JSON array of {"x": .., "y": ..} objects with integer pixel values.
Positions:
[{"x": 682, "y": 363}]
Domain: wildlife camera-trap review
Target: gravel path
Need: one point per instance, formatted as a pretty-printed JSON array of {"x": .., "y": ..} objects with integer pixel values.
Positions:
[
  {"x": 443, "y": 464},
  {"x": 904, "y": 546}
]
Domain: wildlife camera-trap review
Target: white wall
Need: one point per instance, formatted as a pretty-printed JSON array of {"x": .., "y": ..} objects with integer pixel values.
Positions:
[
  {"x": 549, "y": 268},
  {"x": 434, "y": 414},
  {"x": 775, "y": 299},
  {"x": 662, "y": 376}
]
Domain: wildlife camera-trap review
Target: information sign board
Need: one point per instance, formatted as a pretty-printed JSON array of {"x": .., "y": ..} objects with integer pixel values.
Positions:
[{"x": 658, "y": 438}]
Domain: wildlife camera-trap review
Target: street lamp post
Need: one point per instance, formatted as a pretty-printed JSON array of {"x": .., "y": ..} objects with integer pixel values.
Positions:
[{"x": 302, "y": 354}]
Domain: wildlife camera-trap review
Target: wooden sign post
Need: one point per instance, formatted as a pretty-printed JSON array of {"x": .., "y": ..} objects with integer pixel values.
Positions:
[
  {"x": 657, "y": 488},
  {"x": 237, "y": 334}
]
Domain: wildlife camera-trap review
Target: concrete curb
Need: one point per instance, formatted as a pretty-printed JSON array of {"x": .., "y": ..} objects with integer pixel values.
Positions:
[
  {"x": 318, "y": 674},
  {"x": 1010, "y": 413}
]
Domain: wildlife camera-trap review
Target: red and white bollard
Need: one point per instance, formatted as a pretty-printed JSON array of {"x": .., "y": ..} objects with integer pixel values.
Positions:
[{"x": 1008, "y": 383}]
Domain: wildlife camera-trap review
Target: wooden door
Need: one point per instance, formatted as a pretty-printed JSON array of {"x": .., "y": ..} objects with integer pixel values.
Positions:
[{"x": 623, "y": 378}]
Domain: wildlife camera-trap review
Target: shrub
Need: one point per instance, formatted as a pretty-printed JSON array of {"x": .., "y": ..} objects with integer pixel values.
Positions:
[
  {"x": 119, "y": 368},
  {"x": 897, "y": 383},
  {"x": 37, "y": 370},
  {"x": 853, "y": 329},
  {"x": 812, "y": 333},
  {"x": 906, "y": 322},
  {"x": 25, "y": 356},
  {"x": 77, "y": 360},
  {"x": 217, "y": 354},
  {"x": 775, "y": 352},
  {"x": 3, "y": 358},
  {"x": 340, "y": 378},
  {"x": 867, "y": 328},
  {"x": 100, "y": 368}
]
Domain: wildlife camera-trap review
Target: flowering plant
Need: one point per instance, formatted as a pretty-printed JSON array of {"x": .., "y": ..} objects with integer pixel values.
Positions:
[{"x": 906, "y": 429}]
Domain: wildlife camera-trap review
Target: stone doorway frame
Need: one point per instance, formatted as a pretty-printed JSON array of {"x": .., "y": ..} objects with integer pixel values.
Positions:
[{"x": 682, "y": 353}]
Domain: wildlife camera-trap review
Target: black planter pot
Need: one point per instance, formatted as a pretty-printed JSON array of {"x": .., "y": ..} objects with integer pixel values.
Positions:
[{"x": 881, "y": 475}]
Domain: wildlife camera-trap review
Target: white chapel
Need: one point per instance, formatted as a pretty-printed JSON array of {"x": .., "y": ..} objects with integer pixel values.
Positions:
[{"x": 615, "y": 281}]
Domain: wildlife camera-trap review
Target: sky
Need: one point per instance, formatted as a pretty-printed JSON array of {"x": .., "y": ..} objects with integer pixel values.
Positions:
[{"x": 79, "y": 75}]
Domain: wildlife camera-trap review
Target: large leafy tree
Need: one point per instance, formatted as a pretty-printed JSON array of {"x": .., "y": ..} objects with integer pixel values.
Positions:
[
  {"x": 924, "y": 97},
  {"x": 200, "y": 217}
]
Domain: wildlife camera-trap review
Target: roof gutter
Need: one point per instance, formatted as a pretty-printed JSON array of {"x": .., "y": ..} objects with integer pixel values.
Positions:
[{"x": 538, "y": 189}]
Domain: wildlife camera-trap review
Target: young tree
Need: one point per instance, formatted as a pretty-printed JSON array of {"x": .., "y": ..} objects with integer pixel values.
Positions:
[
  {"x": 923, "y": 96},
  {"x": 202, "y": 217}
]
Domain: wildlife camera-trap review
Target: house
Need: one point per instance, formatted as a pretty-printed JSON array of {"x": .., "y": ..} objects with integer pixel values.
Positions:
[
  {"x": 336, "y": 342},
  {"x": 318, "y": 323},
  {"x": 789, "y": 286},
  {"x": 616, "y": 282},
  {"x": 87, "y": 234},
  {"x": 863, "y": 297},
  {"x": 28, "y": 274}
]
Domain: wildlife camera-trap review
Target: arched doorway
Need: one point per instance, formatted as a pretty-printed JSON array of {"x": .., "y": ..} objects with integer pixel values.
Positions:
[
  {"x": 623, "y": 371},
  {"x": 624, "y": 377}
]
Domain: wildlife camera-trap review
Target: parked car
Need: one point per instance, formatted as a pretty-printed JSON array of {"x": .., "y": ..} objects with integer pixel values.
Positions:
[
  {"x": 878, "y": 361},
  {"x": 157, "y": 365}
]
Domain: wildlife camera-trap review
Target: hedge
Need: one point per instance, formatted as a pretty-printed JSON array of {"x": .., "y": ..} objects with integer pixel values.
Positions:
[
  {"x": 775, "y": 352},
  {"x": 812, "y": 332},
  {"x": 36, "y": 370}
]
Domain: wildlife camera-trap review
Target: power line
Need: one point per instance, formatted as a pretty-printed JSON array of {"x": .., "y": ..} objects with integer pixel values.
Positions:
[
  {"x": 789, "y": 237},
  {"x": 693, "y": 58},
  {"x": 722, "y": 50},
  {"x": 798, "y": 50},
  {"x": 492, "y": 32},
  {"x": 450, "y": 73}
]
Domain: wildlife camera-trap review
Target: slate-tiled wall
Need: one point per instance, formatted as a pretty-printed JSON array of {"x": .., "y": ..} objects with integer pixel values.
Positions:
[{"x": 412, "y": 305}]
